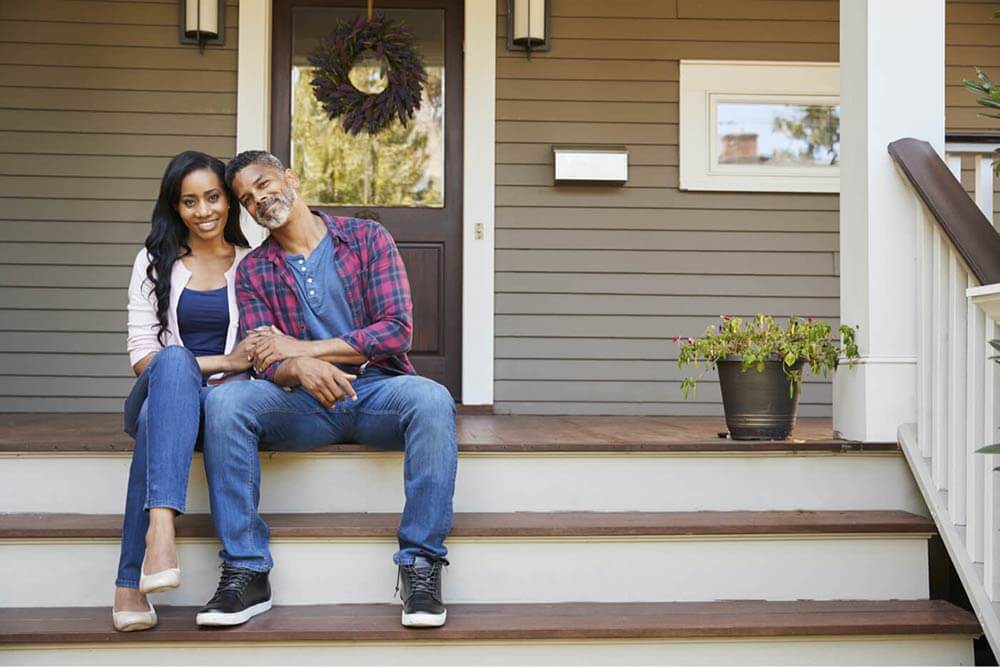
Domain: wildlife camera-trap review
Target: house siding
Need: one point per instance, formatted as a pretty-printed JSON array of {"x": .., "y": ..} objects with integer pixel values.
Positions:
[
  {"x": 593, "y": 282},
  {"x": 96, "y": 98}
]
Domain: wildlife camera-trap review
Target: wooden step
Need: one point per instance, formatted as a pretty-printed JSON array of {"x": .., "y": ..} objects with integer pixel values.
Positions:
[
  {"x": 484, "y": 622},
  {"x": 519, "y": 479},
  {"x": 72, "y": 432},
  {"x": 499, "y": 524},
  {"x": 518, "y": 557}
]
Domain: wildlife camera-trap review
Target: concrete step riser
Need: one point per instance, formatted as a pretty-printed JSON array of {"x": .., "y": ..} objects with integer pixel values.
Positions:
[
  {"x": 887, "y": 650},
  {"x": 507, "y": 570},
  {"x": 366, "y": 482}
]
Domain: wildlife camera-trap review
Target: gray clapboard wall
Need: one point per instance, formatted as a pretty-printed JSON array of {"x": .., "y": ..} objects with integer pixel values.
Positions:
[
  {"x": 95, "y": 97},
  {"x": 593, "y": 282}
]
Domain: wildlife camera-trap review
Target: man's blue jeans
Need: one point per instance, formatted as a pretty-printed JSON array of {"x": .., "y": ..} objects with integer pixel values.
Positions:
[
  {"x": 163, "y": 413},
  {"x": 400, "y": 412}
]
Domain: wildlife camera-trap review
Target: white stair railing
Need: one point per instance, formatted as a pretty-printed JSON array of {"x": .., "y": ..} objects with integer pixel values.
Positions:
[{"x": 957, "y": 395}]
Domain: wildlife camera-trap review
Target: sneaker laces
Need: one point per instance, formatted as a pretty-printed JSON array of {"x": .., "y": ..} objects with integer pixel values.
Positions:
[
  {"x": 421, "y": 579},
  {"x": 234, "y": 579}
]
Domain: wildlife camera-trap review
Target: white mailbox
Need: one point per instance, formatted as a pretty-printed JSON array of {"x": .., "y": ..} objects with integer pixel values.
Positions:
[{"x": 590, "y": 164}]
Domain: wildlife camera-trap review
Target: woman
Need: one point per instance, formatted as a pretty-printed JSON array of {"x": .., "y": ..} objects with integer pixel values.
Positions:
[{"x": 182, "y": 324}]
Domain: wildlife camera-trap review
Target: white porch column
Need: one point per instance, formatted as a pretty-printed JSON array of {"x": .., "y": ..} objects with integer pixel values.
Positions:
[
  {"x": 253, "y": 91},
  {"x": 892, "y": 86}
]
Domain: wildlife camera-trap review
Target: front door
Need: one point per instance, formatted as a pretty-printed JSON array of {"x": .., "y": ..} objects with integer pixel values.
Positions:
[{"x": 408, "y": 178}]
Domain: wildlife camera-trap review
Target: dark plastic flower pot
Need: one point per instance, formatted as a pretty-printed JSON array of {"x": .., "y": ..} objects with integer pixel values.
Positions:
[{"x": 759, "y": 406}]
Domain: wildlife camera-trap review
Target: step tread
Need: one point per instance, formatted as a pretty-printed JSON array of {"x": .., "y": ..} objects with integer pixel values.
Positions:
[
  {"x": 501, "y": 524},
  {"x": 72, "y": 432},
  {"x": 380, "y": 622}
]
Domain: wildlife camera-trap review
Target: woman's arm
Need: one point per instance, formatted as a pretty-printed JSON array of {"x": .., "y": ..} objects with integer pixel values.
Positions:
[
  {"x": 236, "y": 361},
  {"x": 143, "y": 326}
]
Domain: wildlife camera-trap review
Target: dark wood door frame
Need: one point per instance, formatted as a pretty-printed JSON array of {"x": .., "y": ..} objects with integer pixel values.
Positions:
[{"x": 416, "y": 228}]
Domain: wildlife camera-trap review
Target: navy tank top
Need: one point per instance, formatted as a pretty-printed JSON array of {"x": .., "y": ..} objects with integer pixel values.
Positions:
[{"x": 203, "y": 320}]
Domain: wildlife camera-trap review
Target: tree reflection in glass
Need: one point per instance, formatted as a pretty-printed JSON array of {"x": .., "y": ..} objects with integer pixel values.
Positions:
[
  {"x": 779, "y": 135},
  {"x": 400, "y": 166}
]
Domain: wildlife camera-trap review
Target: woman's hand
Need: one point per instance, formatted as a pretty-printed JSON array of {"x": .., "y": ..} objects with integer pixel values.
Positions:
[{"x": 239, "y": 359}]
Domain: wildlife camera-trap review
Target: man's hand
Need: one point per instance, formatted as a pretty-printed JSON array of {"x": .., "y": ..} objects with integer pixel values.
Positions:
[
  {"x": 267, "y": 345},
  {"x": 324, "y": 381}
]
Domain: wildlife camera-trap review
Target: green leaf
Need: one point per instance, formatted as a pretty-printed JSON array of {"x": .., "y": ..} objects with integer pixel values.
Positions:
[{"x": 989, "y": 449}]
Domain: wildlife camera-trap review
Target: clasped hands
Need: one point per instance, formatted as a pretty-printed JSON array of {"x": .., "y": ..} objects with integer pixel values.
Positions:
[{"x": 324, "y": 381}]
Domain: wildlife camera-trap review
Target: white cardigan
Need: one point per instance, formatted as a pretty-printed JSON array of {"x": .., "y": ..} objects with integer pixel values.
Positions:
[{"x": 143, "y": 325}]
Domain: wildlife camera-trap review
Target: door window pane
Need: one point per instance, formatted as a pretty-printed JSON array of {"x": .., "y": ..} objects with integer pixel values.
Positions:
[
  {"x": 399, "y": 166},
  {"x": 778, "y": 135}
]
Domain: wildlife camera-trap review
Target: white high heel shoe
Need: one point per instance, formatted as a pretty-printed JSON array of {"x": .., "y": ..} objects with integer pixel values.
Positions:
[
  {"x": 130, "y": 621},
  {"x": 158, "y": 581}
]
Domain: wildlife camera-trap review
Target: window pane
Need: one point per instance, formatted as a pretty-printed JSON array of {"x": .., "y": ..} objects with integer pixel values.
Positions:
[
  {"x": 780, "y": 135},
  {"x": 400, "y": 166}
]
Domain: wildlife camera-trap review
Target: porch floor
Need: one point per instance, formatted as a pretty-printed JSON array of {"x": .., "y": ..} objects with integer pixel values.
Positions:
[{"x": 67, "y": 432}]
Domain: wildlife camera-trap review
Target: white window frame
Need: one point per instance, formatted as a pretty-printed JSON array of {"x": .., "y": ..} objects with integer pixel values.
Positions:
[{"x": 706, "y": 83}]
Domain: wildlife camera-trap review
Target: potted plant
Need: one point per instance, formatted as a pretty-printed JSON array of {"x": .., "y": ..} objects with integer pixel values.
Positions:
[{"x": 761, "y": 405}]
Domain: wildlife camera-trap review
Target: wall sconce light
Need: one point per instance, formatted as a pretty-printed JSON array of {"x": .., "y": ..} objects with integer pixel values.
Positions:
[
  {"x": 202, "y": 22},
  {"x": 528, "y": 25}
]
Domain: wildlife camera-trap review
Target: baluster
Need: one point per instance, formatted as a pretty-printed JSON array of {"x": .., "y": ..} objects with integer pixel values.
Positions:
[
  {"x": 925, "y": 291},
  {"x": 958, "y": 307},
  {"x": 939, "y": 360},
  {"x": 984, "y": 185},
  {"x": 954, "y": 161},
  {"x": 991, "y": 494},
  {"x": 975, "y": 378}
]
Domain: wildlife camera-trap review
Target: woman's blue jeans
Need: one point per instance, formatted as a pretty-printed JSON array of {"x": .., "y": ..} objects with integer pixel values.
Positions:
[{"x": 163, "y": 413}]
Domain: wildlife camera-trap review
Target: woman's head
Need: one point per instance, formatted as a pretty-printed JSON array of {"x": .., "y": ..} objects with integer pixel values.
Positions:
[
  {"x": 193, "y": 201},
  {"x": 193, "y": 194}
]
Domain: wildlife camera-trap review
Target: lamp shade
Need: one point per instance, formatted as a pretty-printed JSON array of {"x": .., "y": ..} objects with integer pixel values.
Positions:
[
  {"x": 529, "y": 21},
  {"x": 528, "y": 24},
  {"x": 201, "y": 20}
]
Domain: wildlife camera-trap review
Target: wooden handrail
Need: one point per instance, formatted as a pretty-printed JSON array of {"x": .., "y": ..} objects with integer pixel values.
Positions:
[{"x": 973, "y": 236}]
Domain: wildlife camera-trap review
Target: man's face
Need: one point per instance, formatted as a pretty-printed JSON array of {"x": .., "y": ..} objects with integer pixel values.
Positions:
[{"x": 266, "y": 193}]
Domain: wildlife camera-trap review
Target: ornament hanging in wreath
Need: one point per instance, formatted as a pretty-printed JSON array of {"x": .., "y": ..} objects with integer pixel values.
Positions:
[{"x": 368, "y": 73}]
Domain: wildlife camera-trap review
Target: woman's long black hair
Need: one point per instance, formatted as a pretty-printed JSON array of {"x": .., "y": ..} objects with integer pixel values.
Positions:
[{"x": 168, "y": 239}]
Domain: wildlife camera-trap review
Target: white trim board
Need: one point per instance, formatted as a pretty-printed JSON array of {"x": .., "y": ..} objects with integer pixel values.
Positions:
[
  {"x": 705, "y": 83},
  {"x": 253, "y": 131}
]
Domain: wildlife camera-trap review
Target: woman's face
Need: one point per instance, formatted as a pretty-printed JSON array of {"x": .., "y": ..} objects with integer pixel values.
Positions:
[{"x": 203, "y": 206}]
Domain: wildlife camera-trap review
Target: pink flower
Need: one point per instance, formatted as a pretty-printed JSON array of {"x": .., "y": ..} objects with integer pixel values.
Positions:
[
  {"x": 726, "y": 318},
  {"x": 809, "y": 319},
  {"x": 677, "y": 339},
  {"x": 690, "y": 340}
]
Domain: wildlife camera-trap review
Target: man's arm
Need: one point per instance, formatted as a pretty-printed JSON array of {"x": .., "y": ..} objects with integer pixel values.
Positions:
[
  {"x": 272, "y": 345},
  {"x": 255, "y": 314},
  {"x": 388, "y": 301}
]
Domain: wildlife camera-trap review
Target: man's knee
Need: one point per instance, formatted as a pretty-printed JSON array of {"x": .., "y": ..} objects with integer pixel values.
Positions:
[
  {"x": 430, "y": 399},
  {"x": 227, "y": 403}
]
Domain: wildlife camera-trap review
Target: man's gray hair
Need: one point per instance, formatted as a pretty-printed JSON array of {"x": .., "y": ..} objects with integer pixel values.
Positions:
[{"x": 247, "y": 158}]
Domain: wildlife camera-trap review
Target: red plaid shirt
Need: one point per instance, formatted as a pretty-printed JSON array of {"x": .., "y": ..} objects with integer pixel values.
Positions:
[{"x": 374, "y": 279}]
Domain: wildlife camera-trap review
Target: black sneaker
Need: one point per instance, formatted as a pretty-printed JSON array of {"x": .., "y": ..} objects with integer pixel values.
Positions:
[
  {"x": 421, "y": 595},
  {"x": 242, "y": 594}
]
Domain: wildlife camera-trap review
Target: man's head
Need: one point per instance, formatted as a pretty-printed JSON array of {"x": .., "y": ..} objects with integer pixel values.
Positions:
[{"x": 265, "y": 188}]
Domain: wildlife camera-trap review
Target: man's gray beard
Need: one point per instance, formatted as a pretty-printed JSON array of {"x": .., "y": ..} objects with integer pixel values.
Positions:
[{"x": 278, "y": 216}]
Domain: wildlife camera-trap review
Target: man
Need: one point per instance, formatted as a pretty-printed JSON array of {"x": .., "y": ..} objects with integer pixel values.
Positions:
[{"x": 326, "y": 306}]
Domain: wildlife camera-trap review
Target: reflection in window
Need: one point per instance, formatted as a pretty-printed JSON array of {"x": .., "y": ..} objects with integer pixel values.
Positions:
[
  {"x": 399, "y": 166},
  {"x": 781, "y": 135}
]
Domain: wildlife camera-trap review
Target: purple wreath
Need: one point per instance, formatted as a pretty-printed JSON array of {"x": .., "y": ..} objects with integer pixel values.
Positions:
[{"x": 358, "y": 110}]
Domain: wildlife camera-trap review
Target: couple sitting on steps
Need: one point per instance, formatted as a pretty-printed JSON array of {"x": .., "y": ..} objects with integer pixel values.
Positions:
[{"x": 321, "y": 314}]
